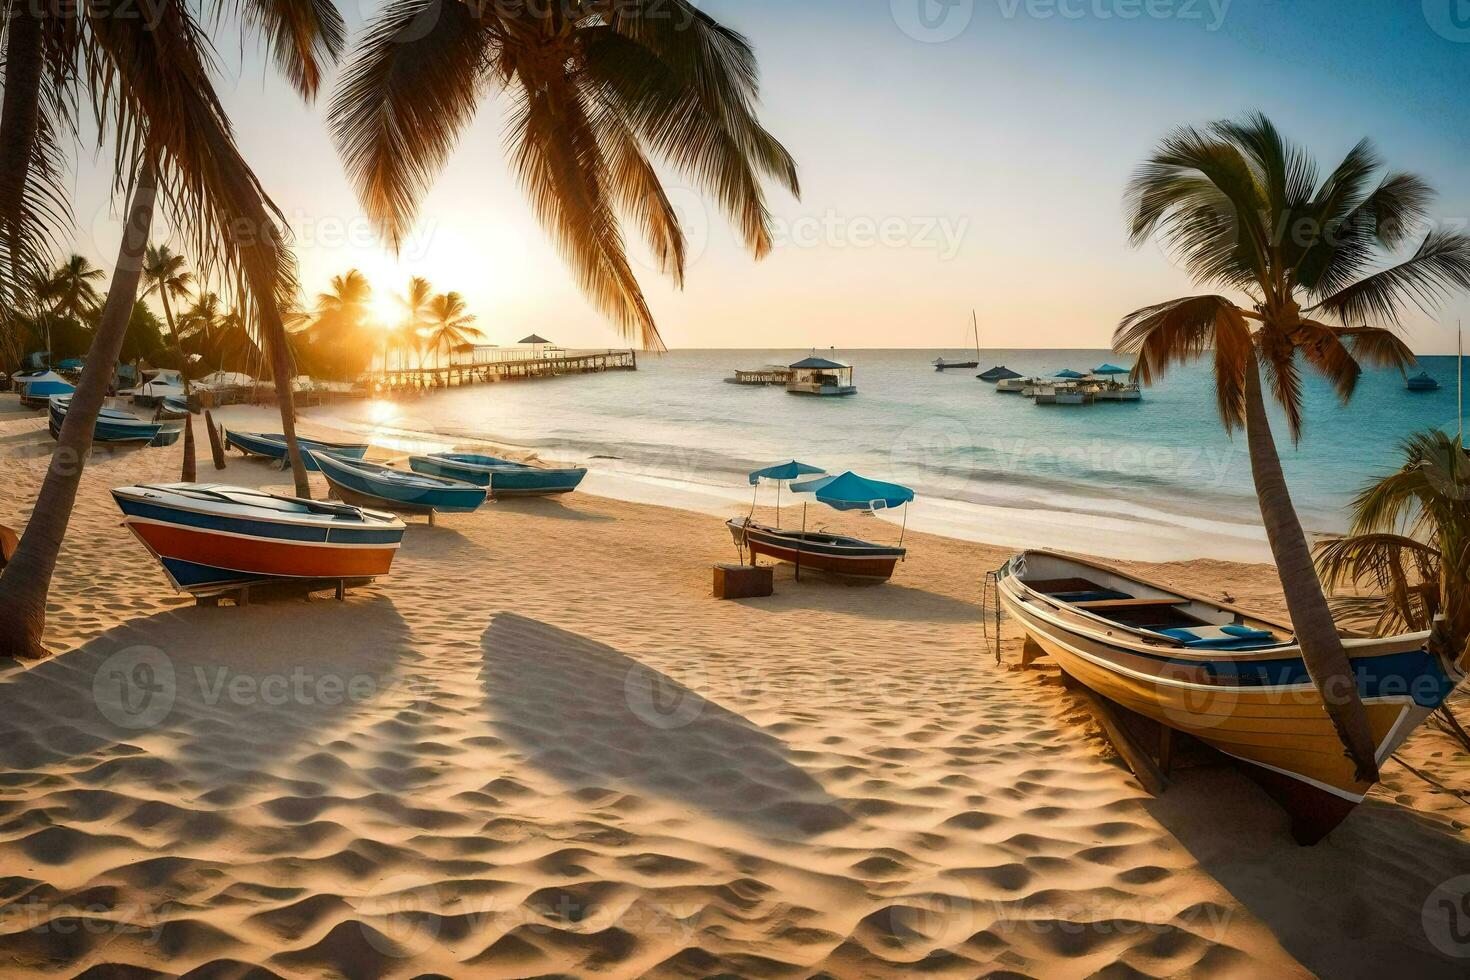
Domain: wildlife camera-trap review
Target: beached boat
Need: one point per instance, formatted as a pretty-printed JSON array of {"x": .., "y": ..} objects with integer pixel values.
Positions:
[
  {"x": 1422, "y": 382},
  {"x": 272, "y": 445},
  {"x": 503, "y": 477},
  {"x": 836, "y": 554},
  {"x": 211, "y": 537},
  {"x": 115, "y": 425},
  {"x": 375, "y": 485},
  {"x": 37, "y": 387},
  {"x": 1234, "y": 680},
  {"x": 160, "y": 384}
]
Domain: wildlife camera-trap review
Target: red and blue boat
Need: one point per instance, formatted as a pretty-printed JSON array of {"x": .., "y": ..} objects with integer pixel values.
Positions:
[
  {"x": 272, "y": 445},
  {"x": 503, "y": 477},
  {"x": 211, "y": 537}
]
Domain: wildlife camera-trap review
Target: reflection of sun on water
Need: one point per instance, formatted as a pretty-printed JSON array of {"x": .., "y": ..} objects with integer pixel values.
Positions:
[{"x": 381, "y": 412}]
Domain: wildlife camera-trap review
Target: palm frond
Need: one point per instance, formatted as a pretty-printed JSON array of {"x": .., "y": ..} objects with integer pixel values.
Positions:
[
  {"x": 1278, "y": 364},
  {"x": 1437, "y": 268},
  {"x": 1322, "y": 347},
  {"x": 412, "y": 84},
  {"x": 1184, "y": 329},
  {"x": 304, "y": 36},
  {"x": 638, "y": 190}
]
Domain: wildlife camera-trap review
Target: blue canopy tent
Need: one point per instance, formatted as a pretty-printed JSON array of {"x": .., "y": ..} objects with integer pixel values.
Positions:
[
  {"x": 779, "y": 473},
  {"x": 1110, "y": 369},
  {"x": 1069, "y": 374},
  {"x": 998, "y": 373},
  {"x": 848, "y": 491}
]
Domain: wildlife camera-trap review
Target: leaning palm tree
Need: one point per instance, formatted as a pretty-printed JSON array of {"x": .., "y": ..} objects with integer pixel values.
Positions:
[
  {"x": 152, "y": 89},
  {"x": 595, "y": 88},
  {"x": 448, "y": 325},
  {"x": 166, "y": 274},
  {"x": 1245, "y": 211}
]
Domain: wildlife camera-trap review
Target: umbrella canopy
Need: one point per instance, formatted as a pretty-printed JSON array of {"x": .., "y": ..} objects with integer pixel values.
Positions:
[
  {"x": 998, "y": 373},
  {"x": 784, "y": 471},
  {"x": 852, "y": 492},
  {"x": 535, "y": 338},
  {"x": 1068, "y": 373},
  {"x": 1110, "y": 369}
]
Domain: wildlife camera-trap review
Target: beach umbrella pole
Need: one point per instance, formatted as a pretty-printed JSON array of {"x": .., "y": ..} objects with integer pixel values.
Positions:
[{"x": 798, "y": 543}]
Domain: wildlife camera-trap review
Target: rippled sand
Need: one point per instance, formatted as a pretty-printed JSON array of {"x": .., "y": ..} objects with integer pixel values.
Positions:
[{"x": 540, "y": 747}]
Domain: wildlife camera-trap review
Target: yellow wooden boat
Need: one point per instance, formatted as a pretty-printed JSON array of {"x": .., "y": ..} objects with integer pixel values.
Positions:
[{"x": 1230, "y": 678}]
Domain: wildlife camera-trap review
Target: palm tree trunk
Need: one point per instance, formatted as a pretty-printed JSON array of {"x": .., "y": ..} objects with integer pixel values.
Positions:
[
  {"x": 19, "y": 118},
  {"x": 274, "y": 331},
  {"x": 27, "y": 579},
  {"x": 190, "y": 471},
  {"x": 1322, "y": 651}
]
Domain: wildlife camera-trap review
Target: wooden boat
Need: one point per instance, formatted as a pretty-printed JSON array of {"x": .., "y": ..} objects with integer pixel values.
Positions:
[
  {"x": 375, "y": 485},
  {"x": 503, "y": 477},
  {"x": 1231, "y": 679},
  {"x": 272, "y": 445},
  {"x": 833, "y": 553},
  {"x": 117, "y": 426},
  {"x": 211, "y": 537}
]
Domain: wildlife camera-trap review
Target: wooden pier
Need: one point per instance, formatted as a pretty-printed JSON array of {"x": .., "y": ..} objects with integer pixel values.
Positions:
[{"x": 486, "y": 371}]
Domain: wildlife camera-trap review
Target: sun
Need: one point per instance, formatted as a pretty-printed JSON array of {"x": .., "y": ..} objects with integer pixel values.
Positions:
[{"x": 384, "y": 308}]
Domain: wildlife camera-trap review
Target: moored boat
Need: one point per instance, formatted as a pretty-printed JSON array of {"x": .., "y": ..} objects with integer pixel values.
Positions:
[
  {"x": 1229, "y": 678},
  {"x": 114, "y": 425},
  {"x": 37, "y": 387},
  {"x": 376, "y": 485},
  {"x": 272, "y": 445},
  {"x": 210, "y": 537},
  {"x": 503, "y": 477},
  {"x": 836, "y": 554}
]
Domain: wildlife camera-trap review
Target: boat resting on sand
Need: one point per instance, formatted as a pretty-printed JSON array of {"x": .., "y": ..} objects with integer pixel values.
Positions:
[
  {"x": 503, "y": 477},
  {"x": 116, "y": 426},
  {"x": 1231, "y": 679},
  {"x": 272, "y": 445},
  {"x": 375, "y": 485},
  {"x": 211, "y": 537},
  {"x": 835, "y": 554}
]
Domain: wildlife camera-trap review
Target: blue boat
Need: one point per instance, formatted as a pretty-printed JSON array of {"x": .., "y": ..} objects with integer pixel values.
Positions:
[
  {"x": 375, "y": 485},
  {"x": 37, "y": 387},
  {"x": 272, "y": 445},
  {"x": 503, "y": 477},
  {"x": 116, "y": 426}
]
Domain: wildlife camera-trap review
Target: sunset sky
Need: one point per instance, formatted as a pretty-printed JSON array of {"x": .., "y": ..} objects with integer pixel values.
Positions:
[{"x": 984, "y": 171}]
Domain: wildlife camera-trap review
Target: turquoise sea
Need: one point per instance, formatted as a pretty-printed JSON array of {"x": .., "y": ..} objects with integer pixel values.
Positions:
[{"x": 1156, "y": 478}]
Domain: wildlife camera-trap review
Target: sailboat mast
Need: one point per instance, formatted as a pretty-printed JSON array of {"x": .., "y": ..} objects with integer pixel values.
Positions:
[{"x": 975, "y": 325}]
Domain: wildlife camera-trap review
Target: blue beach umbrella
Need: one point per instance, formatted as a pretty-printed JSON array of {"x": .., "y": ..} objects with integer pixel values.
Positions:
[
  {"x": 848, "y": 491},
  {"x": 780, "y": 473},
  {"x": 1110, "y": 369},
  {"x": 1068, "y": 373}
]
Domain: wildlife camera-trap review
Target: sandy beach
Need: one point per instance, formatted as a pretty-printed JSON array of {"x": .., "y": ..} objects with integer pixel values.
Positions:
[{"x": 540, "y": 747}]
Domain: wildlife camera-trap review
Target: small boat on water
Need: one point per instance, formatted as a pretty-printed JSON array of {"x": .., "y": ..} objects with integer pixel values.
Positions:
[
  {"x": 375, "y": 485},
  {"x": 503, "y": 477},
  {"x": 1422, "y": 382},
  {"x": 115, "y": 425},
  {"x": 37, "y": 387},
  {"x": 819, "y": 376},
  {"x": 836, "y": 554},
  {"x": 212, "y": 537},
  {"x": 944, "y": 364},
  {"x": 1229, "y": 678},
  {"x": 272, "y": 445}
]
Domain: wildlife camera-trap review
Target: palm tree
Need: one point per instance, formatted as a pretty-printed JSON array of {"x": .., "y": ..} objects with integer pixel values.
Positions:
[
  {"x": 448, "y": 324},
  {"x": 594, "y": 88},
  {"x": 201, "y": 321},
  {"x": 71, "y": 288},
  {"x": 165, "y": 273},
  {"x": 415, "y": 302},
  {"x": 150, "y": 85},
  {"x": 1405, "y": 565},
  {"x": 1244, "y": 210}
]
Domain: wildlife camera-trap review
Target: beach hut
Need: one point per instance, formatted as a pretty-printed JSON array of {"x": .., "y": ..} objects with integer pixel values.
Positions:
[{"x": 820, "y": 376}]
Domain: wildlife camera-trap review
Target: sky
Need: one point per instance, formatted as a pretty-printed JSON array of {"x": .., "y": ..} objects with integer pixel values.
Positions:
[{"x": 955, "y": 155}]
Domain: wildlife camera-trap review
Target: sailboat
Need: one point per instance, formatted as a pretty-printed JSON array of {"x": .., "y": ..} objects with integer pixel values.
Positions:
[{"x": 941, "y": 364}]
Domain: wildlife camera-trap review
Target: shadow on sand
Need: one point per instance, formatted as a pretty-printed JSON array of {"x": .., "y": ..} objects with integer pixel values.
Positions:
[
  {"x": 228, "y": 690},
  {"x": 888, "y": 601},
  {"x": 550, "y": 507},
  {"x": 587, "y": 714},
  {"x": 1355, "y": 898}
]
